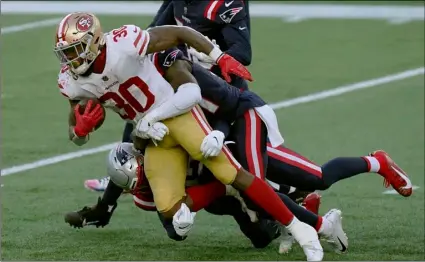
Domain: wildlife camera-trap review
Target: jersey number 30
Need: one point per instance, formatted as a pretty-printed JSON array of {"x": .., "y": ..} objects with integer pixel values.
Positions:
[{"x": 130, "y": 105}]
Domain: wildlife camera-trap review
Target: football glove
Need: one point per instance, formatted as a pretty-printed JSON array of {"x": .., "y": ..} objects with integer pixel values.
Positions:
[
  {"x": 98, "y": 215},
  {"x": 86, "y": 122},
  {"x": 212, "y": 144},
  {"x": 202, "y": 59},
  {"x": 155, "y": 131},
  {"x": 228, "y": 65},
  {"x": 183, "y": 220}
]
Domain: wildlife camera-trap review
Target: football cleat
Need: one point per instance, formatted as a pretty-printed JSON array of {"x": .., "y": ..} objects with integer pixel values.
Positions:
[
  {"x": 80, "y": 218},
  {"x": 98, "y": 185},
  {"x": 334, "y": 234},
  {"x": 393, "y": 174},
  {"x": 312, "y": 202},
  {"x": 308, "y": 239}
]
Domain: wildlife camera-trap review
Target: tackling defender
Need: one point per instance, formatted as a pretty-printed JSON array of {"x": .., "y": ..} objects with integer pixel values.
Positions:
[
  {"x": 245, "y": 118},
  {"x": 125, "y": 167},
  {"x": 114, "y": 69}
]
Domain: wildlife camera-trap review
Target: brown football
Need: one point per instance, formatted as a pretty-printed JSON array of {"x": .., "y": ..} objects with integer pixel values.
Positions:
[{"x": 83, "y": 104}]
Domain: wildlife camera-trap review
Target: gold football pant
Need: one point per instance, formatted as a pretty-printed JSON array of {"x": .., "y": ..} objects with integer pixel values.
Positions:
[{"x": 166, "y": 164}]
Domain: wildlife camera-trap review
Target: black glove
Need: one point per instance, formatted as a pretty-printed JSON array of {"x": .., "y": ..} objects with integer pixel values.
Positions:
[{"x": 97, "y": 215}]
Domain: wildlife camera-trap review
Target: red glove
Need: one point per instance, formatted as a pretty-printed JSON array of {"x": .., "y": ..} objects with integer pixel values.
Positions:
[
  {"x": 87, "y": 121},
  {"x": 229, "y": 65}
]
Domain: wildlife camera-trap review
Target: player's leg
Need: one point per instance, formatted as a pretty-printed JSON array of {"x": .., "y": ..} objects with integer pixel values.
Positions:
[
  {"x": 190, "y": 129},
  {"x": 287, "y": 166},
  {"x": 250, "y": 136},
  {"x": 261, "y": 232},
  {"x": 166, "y": 169},
  {"x": 100, "y": 184}
]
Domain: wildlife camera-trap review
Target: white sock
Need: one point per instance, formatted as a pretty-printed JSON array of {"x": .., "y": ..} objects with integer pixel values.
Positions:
[{"x": 373, "y": 163}]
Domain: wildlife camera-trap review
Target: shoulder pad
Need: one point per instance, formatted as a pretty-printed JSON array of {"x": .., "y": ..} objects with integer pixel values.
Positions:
[
  {"x": 226, "y": 11},
  {"x": 131, "y": 39}
]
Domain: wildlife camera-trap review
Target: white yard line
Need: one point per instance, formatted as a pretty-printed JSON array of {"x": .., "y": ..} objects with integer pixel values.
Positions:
[
  {"x": 283, "y": 104},
  {"x": 30, "y": 25}
]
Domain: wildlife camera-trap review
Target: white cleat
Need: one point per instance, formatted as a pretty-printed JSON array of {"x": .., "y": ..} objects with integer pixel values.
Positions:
[
  {"x": 334, "y": 234},
  {"x": 286, "y": 241},
  {"x": 308, "y": 239}
]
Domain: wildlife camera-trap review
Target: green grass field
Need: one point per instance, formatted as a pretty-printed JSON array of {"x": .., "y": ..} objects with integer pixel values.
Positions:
[{"x": 290, "y": 60}]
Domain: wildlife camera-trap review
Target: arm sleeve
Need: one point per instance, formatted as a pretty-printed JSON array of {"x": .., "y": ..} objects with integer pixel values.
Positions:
[
  {"x": 166, "y": 17},
  {"x": 237, "y": 37},
  {"x": 164, "y": 6}
]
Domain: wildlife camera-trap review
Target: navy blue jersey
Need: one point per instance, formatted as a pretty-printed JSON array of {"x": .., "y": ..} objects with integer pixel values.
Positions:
[
  {"x": 226, "y": 21},
  {"x": 210, "y": 17},
  {"x": 220, "y": 99}
]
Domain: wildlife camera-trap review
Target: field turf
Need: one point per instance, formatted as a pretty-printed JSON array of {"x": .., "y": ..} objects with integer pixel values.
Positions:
[{"x": 290, "y": 60}]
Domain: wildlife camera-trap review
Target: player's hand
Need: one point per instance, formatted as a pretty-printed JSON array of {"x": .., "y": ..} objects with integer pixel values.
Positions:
[
  {"x": 86, "y": 122},
  {"x": 155, "y": 131},
  {"x": 212, "y": 144},
  {"x": 201, "y": 59},
  {"x": 183, "y": 220},
  {"x": 98, "y": 215},
  {"x": 229, "y": 65}
]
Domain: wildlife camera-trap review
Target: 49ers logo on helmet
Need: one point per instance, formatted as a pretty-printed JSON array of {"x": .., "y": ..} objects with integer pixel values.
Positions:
[{"x": 84, "y": 23}]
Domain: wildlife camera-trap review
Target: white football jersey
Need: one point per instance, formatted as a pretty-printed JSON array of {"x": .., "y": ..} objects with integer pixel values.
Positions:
[{"x": 130, "y": 84}]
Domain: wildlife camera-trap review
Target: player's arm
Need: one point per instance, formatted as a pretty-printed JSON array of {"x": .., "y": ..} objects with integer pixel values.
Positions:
[
  {"x": 164, "y": 37},
  {"x": 237, "y": 39},
  {"x": 236, "y": 30},
  {"x": 187, "y": 95},
  {"x": 165, "y": 15},
  {"x": 165, "y": 7},
  {"x": 223, "y": 126}
]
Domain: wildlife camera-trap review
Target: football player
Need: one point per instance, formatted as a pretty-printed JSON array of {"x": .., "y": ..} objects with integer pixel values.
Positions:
[
  {"x": 114, "y": 69},
  {"x": 125, "y": 167},
  {"x": 228, "y": 23}
]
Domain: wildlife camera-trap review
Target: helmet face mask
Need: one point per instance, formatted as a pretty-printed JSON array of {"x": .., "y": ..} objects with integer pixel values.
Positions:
[{"x": 79, "y": 38}]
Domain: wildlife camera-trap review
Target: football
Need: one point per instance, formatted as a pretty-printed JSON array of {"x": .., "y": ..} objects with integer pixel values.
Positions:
[{"x": 83, "y": 104}]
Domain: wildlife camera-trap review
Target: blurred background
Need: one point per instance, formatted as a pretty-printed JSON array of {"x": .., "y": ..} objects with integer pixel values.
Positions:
[{"x": 373, "y": 48}]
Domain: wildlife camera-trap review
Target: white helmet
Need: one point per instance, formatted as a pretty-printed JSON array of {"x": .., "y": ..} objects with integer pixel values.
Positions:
[{"x": 125, "y": 166}]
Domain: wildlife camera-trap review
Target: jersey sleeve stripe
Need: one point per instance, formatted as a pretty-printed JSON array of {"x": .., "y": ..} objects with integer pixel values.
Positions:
[
  {"x": 145, "y": 43},
  {"x": 136, "y": 42},
  {"x": 211, "y": 10}
]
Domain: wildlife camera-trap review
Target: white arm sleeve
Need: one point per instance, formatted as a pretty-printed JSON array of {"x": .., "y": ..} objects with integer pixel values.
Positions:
[{"x": 186, "y": 97}]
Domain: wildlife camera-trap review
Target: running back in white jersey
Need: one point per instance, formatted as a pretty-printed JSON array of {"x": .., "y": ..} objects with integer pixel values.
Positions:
[{"x": 129, "y": 84}]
